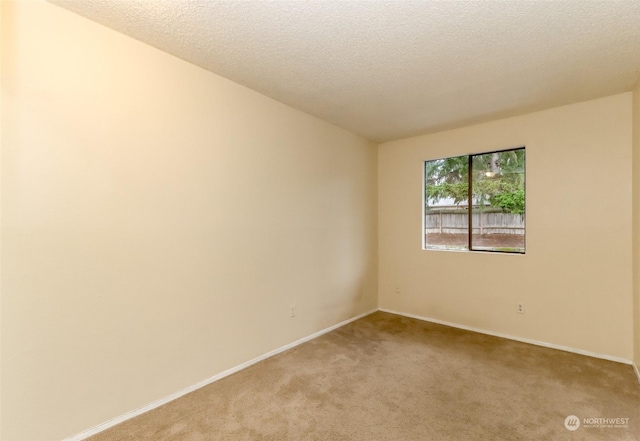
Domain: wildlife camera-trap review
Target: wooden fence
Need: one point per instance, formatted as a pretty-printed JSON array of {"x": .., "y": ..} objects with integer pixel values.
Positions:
[{"x": 448, "y": 222}]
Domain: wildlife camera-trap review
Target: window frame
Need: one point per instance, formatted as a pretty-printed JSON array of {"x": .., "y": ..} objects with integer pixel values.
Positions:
[{"x": 470, "y": 227}]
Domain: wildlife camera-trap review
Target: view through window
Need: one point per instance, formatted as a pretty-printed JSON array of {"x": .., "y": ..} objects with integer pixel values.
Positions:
[{"x": 495, "y": 218}]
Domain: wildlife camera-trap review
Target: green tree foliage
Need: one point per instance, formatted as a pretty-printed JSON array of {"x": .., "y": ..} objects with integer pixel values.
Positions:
[
  {"x": 448, "y": 178},
  {"x": 498, "y": 180},
  {"x": 511, "y": 202}
]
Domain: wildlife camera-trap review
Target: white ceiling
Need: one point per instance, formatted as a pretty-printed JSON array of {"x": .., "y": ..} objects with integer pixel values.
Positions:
[{"x": 392, "y": 69}]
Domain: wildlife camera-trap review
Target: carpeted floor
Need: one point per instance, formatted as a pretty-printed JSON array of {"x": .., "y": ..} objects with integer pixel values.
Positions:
[{"x": 386, "y": 377}]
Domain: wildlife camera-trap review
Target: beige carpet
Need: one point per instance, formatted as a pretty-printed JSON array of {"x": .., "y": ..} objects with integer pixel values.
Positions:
[{"x": 387, "y": 377}]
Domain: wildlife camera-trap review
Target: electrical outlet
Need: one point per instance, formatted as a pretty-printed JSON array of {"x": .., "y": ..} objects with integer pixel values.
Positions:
[
  {"x": 292, "y": 311},
  {"x": 520, "y": 308}
]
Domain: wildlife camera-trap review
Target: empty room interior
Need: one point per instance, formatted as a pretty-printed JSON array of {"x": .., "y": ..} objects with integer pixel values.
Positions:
[{"x": 232, "y": 220}]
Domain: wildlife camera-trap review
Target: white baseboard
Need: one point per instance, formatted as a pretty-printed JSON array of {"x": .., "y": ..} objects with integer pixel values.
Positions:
[
  {"x": 637, "y": 371},
  {"x": 511, "y": 337},
  {"x": 134, "y": 413}
]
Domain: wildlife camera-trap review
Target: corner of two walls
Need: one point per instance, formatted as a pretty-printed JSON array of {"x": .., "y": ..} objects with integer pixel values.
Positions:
[
  {"x": 156, "y": 217},
  {"x": 576, "y": 276},
  {"x": 159, "y": 218}
]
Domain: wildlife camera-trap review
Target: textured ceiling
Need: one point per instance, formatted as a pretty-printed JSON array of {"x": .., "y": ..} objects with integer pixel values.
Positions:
[{"x": 392, "y": 69}]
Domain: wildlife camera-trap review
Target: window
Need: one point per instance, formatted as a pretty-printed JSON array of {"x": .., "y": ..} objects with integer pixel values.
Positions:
[{"x": 495, "y": 218}]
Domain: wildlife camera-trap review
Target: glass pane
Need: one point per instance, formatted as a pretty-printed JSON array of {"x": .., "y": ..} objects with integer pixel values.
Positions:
[
  {"x": 498, "y": 212},
  {"x": 446, "y": 204}
]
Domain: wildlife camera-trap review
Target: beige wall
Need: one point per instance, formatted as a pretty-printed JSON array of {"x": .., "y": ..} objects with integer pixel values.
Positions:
[
  {"x": 636, "y": 221},
  {"x": 157, "y": 222},
  {"x": 576, "y": 276},
  {"x": 158, "y": 218}
]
